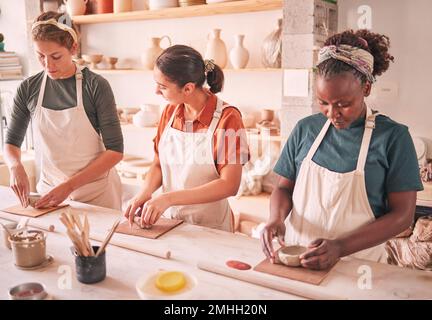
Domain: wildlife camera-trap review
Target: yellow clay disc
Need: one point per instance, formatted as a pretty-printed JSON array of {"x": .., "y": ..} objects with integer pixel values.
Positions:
[{"x": 170, "y": 281}]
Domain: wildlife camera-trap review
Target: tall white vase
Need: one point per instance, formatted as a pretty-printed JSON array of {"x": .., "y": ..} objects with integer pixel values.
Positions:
[
  {"x": 239, "y": 56},
  {"x": 216, "y": 49}
]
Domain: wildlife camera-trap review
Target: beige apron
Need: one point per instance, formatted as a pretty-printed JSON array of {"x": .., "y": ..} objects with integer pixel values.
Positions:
[
  {"x": 66, "y": 143},
  {"x": 328, "y": 204},
  {"x": 187, "y": 162}
]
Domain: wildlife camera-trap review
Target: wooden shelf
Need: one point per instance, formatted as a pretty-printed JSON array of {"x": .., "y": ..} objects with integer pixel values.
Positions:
[
  {"x": 183, "y": 12},
  {"x": 144, "y": 71}
]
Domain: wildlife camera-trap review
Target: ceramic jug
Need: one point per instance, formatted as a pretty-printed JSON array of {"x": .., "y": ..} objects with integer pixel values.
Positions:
[
  {"x": 76, "y": 7},
  {"x": 216, "y": 49},
  {"x": 239, "y": 56},
  {"x": 153, "y": 51}
]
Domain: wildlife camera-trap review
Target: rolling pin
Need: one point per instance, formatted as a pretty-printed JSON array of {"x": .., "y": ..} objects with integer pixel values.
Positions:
[
  {"x": 272, "y": 282},
  {"x": 164, "y": 254},
  {"x": 32, "y": 222}
]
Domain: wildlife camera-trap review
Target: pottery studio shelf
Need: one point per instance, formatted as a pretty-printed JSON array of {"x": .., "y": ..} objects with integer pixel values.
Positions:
[
  {"x": 144, "y": 71},
  {"x": 243, "y": 6}
]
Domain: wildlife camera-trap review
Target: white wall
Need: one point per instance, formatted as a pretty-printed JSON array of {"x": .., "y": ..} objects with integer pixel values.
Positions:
[
  {"x": 409, "y": 26},
  {"x": 128, "y": 40},
  {"x": 13, "y": 27}
]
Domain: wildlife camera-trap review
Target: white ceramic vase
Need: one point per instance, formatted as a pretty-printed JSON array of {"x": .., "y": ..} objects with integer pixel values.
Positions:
[
  {"x": 148, "y": 116},
  {"x": 239, "y": 56},
  {"x": 149, "y": 57},
  {"x": 76, "y": 7},
  {"x": 216, "y": 49}
]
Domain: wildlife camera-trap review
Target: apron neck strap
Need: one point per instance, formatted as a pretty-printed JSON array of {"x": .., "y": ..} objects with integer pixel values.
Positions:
[
  {"x": 171, "y": 120},
  {"x": 78, "y": 81},
  {"x": 216, "y": 117},
  {"x": 318, "y": 140},
  {"x": 42, "y": 90},
  {"x": 369, "y": 126},
  {"x": 367, "y": 135}
]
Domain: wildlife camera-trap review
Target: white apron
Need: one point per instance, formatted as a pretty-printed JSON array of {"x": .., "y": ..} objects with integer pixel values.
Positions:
[
  {"x": 66, "y": 143},
  {"x": 187, "y": 162},
  {"x": 328, "y": 204}
]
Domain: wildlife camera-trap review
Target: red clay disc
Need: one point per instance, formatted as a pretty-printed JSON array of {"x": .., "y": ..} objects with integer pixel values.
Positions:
[{"x": 238, "y": 265}]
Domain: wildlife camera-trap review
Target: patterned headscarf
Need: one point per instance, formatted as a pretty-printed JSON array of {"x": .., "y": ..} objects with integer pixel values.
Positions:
[{"x": 358, "y": 58}]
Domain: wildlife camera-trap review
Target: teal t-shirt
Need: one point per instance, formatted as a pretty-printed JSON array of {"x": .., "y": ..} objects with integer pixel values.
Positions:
[{"x": 391, "y": 163}]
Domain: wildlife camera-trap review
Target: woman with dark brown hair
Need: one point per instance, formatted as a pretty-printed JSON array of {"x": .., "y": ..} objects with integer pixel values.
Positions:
[
  {"x": 77, "y": 134},
  {"x": 348, "y": 176},
  {"x": 200, "y": 146}
]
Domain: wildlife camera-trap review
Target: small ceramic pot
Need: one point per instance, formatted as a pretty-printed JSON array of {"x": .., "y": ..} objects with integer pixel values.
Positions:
[
  {"x": 29, "y": 250},
  {"x": 147, "y": 117},
  {"x": 90, "y": 269},
  {"x": 267, "y": 115},
  {"x": 28, "y": 291},
  {"x": 104, "y": 6},
  {"x": 122, "y": 6},
  {"x": 290, "y": 255},
  {"x": 76, "y": 7}
]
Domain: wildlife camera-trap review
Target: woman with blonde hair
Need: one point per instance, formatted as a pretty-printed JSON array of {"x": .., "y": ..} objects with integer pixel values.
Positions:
[{"x": 77, "y": 134}]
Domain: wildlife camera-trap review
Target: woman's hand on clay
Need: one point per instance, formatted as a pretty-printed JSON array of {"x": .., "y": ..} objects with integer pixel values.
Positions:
[
  {"x": 271, "y": 230},
  {"x": 135, "y": 207},
  {"x": 56, "y": 196},
  {"x": 321, "y": 254},
  {"x": 154, "y": 208},
  {"x": 19, "y": 183}
]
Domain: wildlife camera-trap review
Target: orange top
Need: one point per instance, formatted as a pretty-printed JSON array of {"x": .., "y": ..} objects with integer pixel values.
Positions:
[{"x": 230, "y": 119}]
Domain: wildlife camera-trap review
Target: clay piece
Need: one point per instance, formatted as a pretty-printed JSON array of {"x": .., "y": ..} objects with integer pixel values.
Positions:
[
  {"x": 33, "y": 199},
  {"x": 238, "y": 265},
  {"x": 137, "y": 220}
]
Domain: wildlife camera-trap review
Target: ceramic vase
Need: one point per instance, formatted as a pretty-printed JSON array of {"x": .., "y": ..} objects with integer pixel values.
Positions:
[
  {"x": 76, "y": 7},
  {"x": 104, "y": 6},
  {"x": 122, "y": 6},
  {"x": 152, "y": 52},
  {"x": 216, "y": 49},
  {"x": 272, "y": 48},
  {"x": 239, "y": 56}
]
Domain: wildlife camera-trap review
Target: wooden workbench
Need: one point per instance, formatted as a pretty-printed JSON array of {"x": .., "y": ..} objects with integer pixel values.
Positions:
[{"x": 188, "y": 245}]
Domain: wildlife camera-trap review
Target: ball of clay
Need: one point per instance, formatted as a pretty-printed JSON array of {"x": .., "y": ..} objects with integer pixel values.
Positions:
[
  {"x": 137, "y": 220},
  {"x": 290, "y": 255}
]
